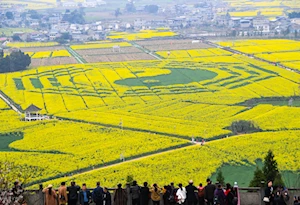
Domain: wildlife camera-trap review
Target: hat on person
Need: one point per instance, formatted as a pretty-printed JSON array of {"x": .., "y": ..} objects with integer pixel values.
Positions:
[{"x": 50, "y": 186}]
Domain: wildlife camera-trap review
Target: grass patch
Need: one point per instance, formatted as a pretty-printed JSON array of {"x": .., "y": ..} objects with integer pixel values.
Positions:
[
  {"x": 36, "y": 83},
  {"x": 8, "y": 138},
  {"x": 19, "y": 84}
]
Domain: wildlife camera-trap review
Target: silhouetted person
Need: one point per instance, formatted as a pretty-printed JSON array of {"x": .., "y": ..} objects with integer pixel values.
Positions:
[
  {"x": 85, "y": 196},
  {"x": 120, "y": 197},
  {"x": 106, "y": 197},
  {"x": 209, "y": 192},
  {"x": 98, "y": 194},
  {"x": 191, "y": 193},
  {"x": 73, "y": 194},
  {"x": 135, "y": 193},
  {"x": 145, "y": 194}
]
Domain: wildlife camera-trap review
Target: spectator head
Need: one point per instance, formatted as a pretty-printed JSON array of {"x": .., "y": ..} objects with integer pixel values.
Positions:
[
  {"x": 228, "y": 186},
  {"x": 270, "y": 183},
  {"x": 73, "y": 183},
  {"x": 98, "y": 184},
  {"x": 134, "y": 183},
  {"x": 119, "y": 186},
  {"x": 219, "y": 186},
  {"x": 155, "y": 185},
  {"x": 191, "y": 182},
  {"x": 172, "y": 183},
  {"x": 63, "y": 183},
  {"x": 208, "y": 181},
  {"x": 16, "y": 183},
  {"x": 84, "y": 187},
  {"x": 145, "y": 184},
  {"x": 200, "y": 184},
  {"x": 180, "y": 185},
  {"x": 105, "y": 190}
]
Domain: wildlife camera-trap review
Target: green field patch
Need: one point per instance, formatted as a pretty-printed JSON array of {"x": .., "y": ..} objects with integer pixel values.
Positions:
[
  {"x": 36, "y": 83},
  {"x": 54, "y": 82},
  {"x": 8, "y": 138},
  {"x": 177, "y": 76},
  {"x": 243, "y": 174},
  {"x": 19, "y": 84}
]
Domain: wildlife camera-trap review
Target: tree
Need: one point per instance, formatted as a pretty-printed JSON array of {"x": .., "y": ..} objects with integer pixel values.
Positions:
[
  {"x": 16, "y": 38},
  {"x": 258, "y": 178},
  {"x": 129, "y": 179},
  {"x": 16, "y": 61},
  {"x": 270, "y": 169},
  {"x": 75, "y": 17},
  {"x": 243, "y": 126},
  {"x": 130, "y": 7},
  {"x": 151, "y": 9},
  {"x": 220, "y": 177},
  {"x": 9, "y": 15},
  {"x": 117, "y": 12}
]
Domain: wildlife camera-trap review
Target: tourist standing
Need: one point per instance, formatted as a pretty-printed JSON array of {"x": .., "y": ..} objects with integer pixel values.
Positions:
[
  {"x": 97, "y": 194},
  {"x": 135, "y": 193},
  {"x": 145, "y": 194},
  {"x": 191, "y": 193},
  {"x": 62, "y": 194},
  {"x": 106, "y": 197},
  {"x": 201, "y": 194},
  {"x": 209, "y": 191},
  {"x": 120, "y": 197},
  {"x": 269, "y": 196},
  {"x": 73, "y": 193},
  {"x": 181, "y": 194},
  {"x": 155, "y": 194},
  {"x": 219, "y": 196},
  {"x": 50, "y": 196},
  {"x": 167, "y": 195},
  {"x": 85, "y": 196}
]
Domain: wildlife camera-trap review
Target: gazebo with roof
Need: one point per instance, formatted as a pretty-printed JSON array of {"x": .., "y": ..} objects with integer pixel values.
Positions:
[{"x": 33, "y": 113}]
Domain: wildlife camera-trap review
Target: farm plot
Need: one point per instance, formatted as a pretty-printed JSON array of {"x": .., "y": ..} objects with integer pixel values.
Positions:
[
  {"x": 118, "y": 57},
  {"x": 163, "y": 45},
  {"x": 52, "y": 61},
  {"x": 105, "y": 51}
]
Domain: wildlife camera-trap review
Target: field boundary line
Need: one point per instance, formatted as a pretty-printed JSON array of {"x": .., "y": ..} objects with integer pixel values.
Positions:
[{"x": 145, "y": 50}]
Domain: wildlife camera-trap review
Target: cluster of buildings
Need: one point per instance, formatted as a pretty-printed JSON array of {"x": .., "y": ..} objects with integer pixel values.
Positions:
[{"x": 207, "y": 18}]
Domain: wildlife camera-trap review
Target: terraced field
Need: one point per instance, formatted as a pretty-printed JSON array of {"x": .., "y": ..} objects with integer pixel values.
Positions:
[{"x": 148, "y": 111}]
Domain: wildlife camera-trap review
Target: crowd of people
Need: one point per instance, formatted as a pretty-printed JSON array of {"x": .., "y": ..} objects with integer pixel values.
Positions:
[
  {"x": 278, "y": 196},
  {"x": 142, "y": 195}
]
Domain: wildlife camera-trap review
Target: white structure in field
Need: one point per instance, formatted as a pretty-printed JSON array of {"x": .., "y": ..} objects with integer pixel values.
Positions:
[
  {"x": 32, "y": 113},
  {"x": 117, "y": 49}
]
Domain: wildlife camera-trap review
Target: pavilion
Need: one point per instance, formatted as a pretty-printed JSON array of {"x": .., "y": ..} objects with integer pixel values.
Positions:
[{"x": 32, "y": 113}]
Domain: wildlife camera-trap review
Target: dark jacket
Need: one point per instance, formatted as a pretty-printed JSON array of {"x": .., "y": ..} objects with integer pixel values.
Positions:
[
  {"x": 191, "y": 193},
  {"x": 81, "y": 196},
  {"x": 98, "y": 194},
  {"x": 73, "y": 192},
  {"x": 220, "y": 196},
  {"x": 107, "y": 198},
  {"x": 269, "y": 193},
  {"x": 120, "y": 197},
  {"x": 210, "y": 191},
  {"x": 135, "y": 191},
  {"x": 281, "y": 198},
  {"x": 144, "y": 195}
]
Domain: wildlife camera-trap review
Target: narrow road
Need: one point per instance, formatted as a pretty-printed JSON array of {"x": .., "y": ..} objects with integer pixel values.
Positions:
[
  {"x": 146, "y": 51},
  {"x": 79, "y": 58},
  {"x": 7, "y": 101}
]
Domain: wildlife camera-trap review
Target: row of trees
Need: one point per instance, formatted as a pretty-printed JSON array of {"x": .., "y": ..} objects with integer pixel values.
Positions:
[{"x": 16, "y": 61}]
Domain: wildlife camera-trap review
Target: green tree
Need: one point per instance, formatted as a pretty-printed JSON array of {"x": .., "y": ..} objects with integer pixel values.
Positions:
[
  {"x": 258, "y": 178},
  {"x": 9, "y": 15},
  {"x": 220, "y": 177},
  {"x": 270, "y": 169},
  {"x": 16, "y": 61}
]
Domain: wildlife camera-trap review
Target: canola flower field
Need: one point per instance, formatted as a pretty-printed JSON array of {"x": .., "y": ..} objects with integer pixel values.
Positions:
[{"x": 149, "y": 111}]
